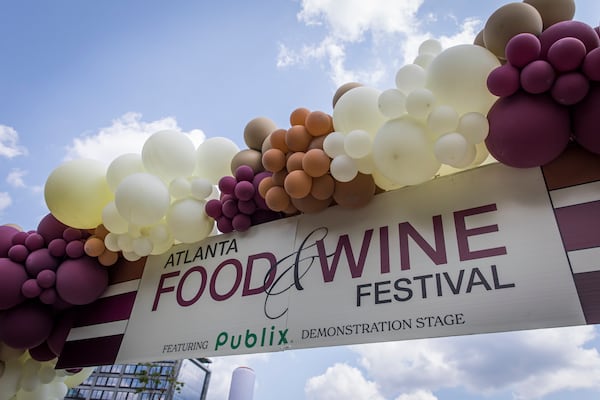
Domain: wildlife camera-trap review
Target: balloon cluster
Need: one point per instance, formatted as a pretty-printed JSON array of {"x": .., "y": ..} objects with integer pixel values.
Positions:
[
  {"x": 240, "y": 204},
  {"x": 25, "y": 378},
  {"x": 548, "y": 90},
  {"x": 43, "y": 273}
]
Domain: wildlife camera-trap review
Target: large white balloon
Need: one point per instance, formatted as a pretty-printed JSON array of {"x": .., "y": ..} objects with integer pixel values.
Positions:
[
  {"x": 458, "y": 78},
  {"x": 123, "y": 166},
  {"x": 112, "y": 220},
  {"x": 142, "y": 199},
  {"x": 357, "y": 144},
  {"x": 452, "y": 148},
  {"x": 402, "y": 152},
  {"x": 410, "y": 77},
  {"x": 358, "y": 109},
  {"x": 392, "y": 103},
  {"x": 169, "y": 154},
  {"x": 188, "y": 222},
  {"x": 214, "y": 157}
]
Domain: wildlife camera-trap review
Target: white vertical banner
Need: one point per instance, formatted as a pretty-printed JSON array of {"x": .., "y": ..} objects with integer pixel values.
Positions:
[{"x": 242, "y": 384}]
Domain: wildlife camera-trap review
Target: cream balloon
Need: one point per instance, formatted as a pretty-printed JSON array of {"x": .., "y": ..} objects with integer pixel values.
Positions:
[
  {"x": 200, "y": 188},
  {"x": 358, "y": 109},
  {"x": 179, "y": 188},
  {"x": 77, "y": 191},
  {"x": 343, "y": 168},
  {"x": 188, "y": 222},
  {"x": 169, "y": 154},
  {"x": 458, "y": 78},
  {"x": 420, "y": 102},
  {"x": 214, "y": 157},
  {"x": 366, "y": 165},
  {"x": 451, "y": 148},
  {"x": 112, "y": 220},
  {"x": 123, "y": 166},
  {"x": 430, "y": 46},
  {"x": 333, "y": 145},
  {"x": 474, "y": 127},
  {"x": 357, "y": 144},
  {"x": 9, "y": 380},
  {"x": 383, "y": 182},
  {"x": 402, "y": 152},
  {"x": 410, "y": 77},
  {"x": 442, "y": 119},
  {"x": 392, "y": 103},
  {"x": 142, "y": 199}
]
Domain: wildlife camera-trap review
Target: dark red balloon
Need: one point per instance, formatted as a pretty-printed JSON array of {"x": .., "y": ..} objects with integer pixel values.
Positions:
[
  {"x": 586, "y": 121},
  {"x": 6, "y": 236},
  {"x": 42, "y": 353},
  {"x": 591, "y": 65},
  {"x": 50, "y": 228},
  {"x": 538, "y": 77},
  {"x": 25, "y": 326},
  {"x": 570, "y": 88},
  {"x": 12, "y": 277},
  {"x": 60, "y": 331},
  {"x": 527, "y": 130},
  {"x": 40, "y": 260},
  {"x": 81, "y": 281},
  {"x": 503, "y": 81},
  {"x": 523, "y": 49},
  {"x": 564, "y": 29}
]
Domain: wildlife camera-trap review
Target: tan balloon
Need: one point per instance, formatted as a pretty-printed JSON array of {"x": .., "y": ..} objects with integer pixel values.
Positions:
[
  {"x": 355, "y": 194},
  {"x": 297, "y": 184},
  {"x": 553, "y": 11},
  {"x": 297, "y": 138},
  {"x": 343, "y": 89},
  {"x": 277, "y": 199},
  {"x": 311, "y": 205},
  {"x": 257, "y": 130},
  {"x": 273, "y": 160},
  {"x": 249, "y": 157},
  {"x": 294, "y": 161},
  {"x": 277, "y": 139},
  {"x": 319, "y": 123},
  {"x": 298, "y": 116},
  {"x": 508, "y": 21},
  {"x": 316, "y": 163},
  {"x": 323, "y": 187}
]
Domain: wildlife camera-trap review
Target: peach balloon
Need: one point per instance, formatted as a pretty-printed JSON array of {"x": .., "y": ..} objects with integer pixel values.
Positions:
[
  {"x": 279, "y": 177},
  {"x": 108, "y": 258},
  {"x": 297, "y": 184},
  {"x": 294, "y": 161},
  {"x": 273, "y": 160},
  {"x": 297, "y": 138},
  {"x": 316, "y": 163},
  {"x": 298, "y": 116},
  {"x": 356, "y": 193},
  {"x": 277, "y": 139},
  {"x": 319, "y": 123},
  {"x": 264, "y": 185},
  {"x": 317, "y": 143},
  {"x": 277, "y": 199},
  {"x": 94, "y": 246},
  {"x": 322, "y": 187},
  {"x": 311, "y": 205}
]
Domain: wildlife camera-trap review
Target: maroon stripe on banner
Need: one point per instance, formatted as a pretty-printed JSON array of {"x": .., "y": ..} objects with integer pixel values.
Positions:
[
  {"x": 90, "y": 352},
  {"x": 579, "y": 225},
  {"x": 588, "y": 288},
  {"x": 573, "y": 167},
  {"x": 106, "y": 309}
]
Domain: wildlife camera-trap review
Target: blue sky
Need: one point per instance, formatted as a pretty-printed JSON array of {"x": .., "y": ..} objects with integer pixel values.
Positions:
[{"x": 91, "y": 79}]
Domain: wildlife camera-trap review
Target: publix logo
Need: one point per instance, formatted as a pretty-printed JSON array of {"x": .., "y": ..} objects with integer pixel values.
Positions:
[{"x": 266, "y": 337}]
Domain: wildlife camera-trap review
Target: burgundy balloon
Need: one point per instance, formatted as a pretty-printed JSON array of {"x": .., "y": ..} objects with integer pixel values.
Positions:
[
  {"x": 213, "y": 208},
  {"x": 62, "y": 325},
  {"x": 586, "y": 121},
  {"x": 18, "y": 253},
  {"x": 244, "y": 173},
  {"x": 523, "y": 49},
  {"x": 537, "y": 77},
  {"x": 71, "y": 234},
  {"x": 527, "y": 130},
  {"x": 20, "y": 237},
  {"x": 564, "y": 29},
  {"x": 12, "y": 277},
  {"x": 241, "y": 222},
  {"x": 42, "y": 352},
  {"x": 57, "y": 247},
  {"x": 247, "y": 207},
  {"x": 31, "y": 288},
  {"x": 75, "y": 249},
  {"x": 34, "y": 241},
  {"x": 46, "y": 278},
  {"x": 227, "y": 184},
  {"x": 48, "y": 296},
  {"x": 230, "y": 208},
  {"x": 224, "y": 224},
  {"x": 40, "y": 260},
  {"x": 566, "y": 54},
  {"x": 503, "y": 81},
  {"x": 264, "y": 215},
  {"x": 6, "y": 236},
  {"x": 570, "y": 88},
  {"x": 25, "y": 326},
  {"x": 244, "y": 190},
  {"x": 50, "y": 228},
  {"x": 591, "y": 65},
  {"x": 81, "y": 281}
]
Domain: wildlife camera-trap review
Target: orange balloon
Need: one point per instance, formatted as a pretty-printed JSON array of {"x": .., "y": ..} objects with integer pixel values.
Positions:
[
  {"x": 355, "y": 194},
  {"x": 94, "y": 246},
  {"x": 319, "y": 123},
  {"x": 298, "y": 116},
  {"x": 291, "y": 209},
  {"x": 294, "y": 161},
  {"x": 108, "y": 258},
  {"x": 277, "y": 139},
  {"x": 297, "y": 138},
  {"x": 316, "y": 163},
  {"x": 279, "y": 177},
  {"x": 311, "y": 205},
  {"x": 264, "y": 185},
  {"x": 277, "y": 199},
  {"x": 273, "y": 160},
  {"x": 323, "y": 187},
  {"x": 297, "y": 184}
]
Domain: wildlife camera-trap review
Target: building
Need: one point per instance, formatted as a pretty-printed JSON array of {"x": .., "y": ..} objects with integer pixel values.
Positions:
[{"x": 168, "y": 380}]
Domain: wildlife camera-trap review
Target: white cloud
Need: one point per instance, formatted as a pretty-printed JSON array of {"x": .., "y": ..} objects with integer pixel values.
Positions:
[
  {"x": 417, "y": 395},
  {"x": 341, "y": 381},
  {"x": 391, "y": 33},
  {"x": 5, "y": 201},
  {"x": 15, "y": 178},
  {"x": 126, "y": 134},
  {"x": 223, "y": 367},
  {"x": 9, "y": 143}
]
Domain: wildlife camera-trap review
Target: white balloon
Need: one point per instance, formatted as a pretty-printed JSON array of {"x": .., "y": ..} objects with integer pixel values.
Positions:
[
  {"x": 214, "y": 157},
  {"x": 142, "y": 199},
  {"x": 424, "y": 60},
  {"x": 474, "y": 127},
  {"x": 343, "y": 168},
  {"x": 410, "y": 77},
  {"x": 125, "y": 243},
  {"x": 451, "y": 148},
  {"x": 333, "y": 145},
  {"x": 9, "y": 381},
  {"x": 419, "y": 103},
  {"x": 392, "y": 103},
  {"x": 179, "y": 188},
  {"x": 131, "y": 256},
  {"x": 112, "y": 220},
  {"x": 442, "y": 119},
  {"x": 142, "y": 246},
  {"x": 200, "y": 188},
  {"x": 357, "y": 144},
  {"x": 458, "y": 78},
  {"x": 366, "y": 165},
  {"x": 46, "y": 374},
  {"x": 482, "y": 156},
  {"x": 358, "y": 109},
  {"x": 123, "y": 166},
  {"x": 430, "y": 46},
  {"x": 383, "y": 182},
  {"x": 188, "y": 221},
  {"x": 111, "y": 241},
  {"x": 402, "y": 152},
  {"x": 468, "y": 159},
  {"x": 169, "y": 154}
]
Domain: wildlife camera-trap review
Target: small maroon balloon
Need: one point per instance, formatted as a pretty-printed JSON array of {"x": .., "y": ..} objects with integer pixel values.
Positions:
[
  {"x": 244, "y": 190},
  {"x": 527, "y": 130},
  {"x": 230, "y": 208},
  {"x": 247, "y": 207},
  {"x": 564, "y": 29},
  {"x": 31, "y": 288},
  {"x": 71, "y": 234},
  {"x": 57, "y": 247},
  {"x": 18, "y": 253},
  {"x": 48, "y": 296},
  {"x": 27, "y": 325},
  {"x": 42, "y": 353},
  {"x": 244, "y": 173},
  {"x": 75, "y": 249},
  {"x": 46, "y": 278},
  {"x": 566, "y": 54},
  {"x": 591, "y": 65},
  {"x": 227, "y": 184},
  {"x": 538, "y": 77},
  {"x": 523, "y": 49},
  {"x": 50, "y": 228},
  {"x": 241, "y": 222},
  {"x": 570, "y": 88},
  {"x": 224, "y": 224},
  {"x": 40, "y": 260},
  {"x": 34, "y": 241},
  {"x": 6, "y": 236},
  {"x": 12, "y": 277},
  {"x": 503, "y": 81},
  {"x": 81, "y": 281},
  {"x": 20, "y": 237},
  {"x": 213, "y": 208},
  {"x": 586, "y": 121}
]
